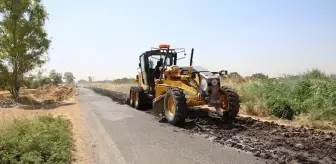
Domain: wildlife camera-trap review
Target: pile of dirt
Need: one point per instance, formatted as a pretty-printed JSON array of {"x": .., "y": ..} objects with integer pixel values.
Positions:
[
  {"x": 279, "y": 143},
  {"x": 5, "y": 99},
  {"x": 6, "y": 103},
  {"x": 52, "y": 92},
  {"x": 47, "y": 94}
]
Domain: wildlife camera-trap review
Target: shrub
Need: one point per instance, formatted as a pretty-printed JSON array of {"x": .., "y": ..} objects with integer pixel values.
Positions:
[
  {"x": 312, "y": 94},
  {"x": 259, "y": 76},
  {"x": 55, "y": 77},
  {"x": 45, "y": 139}
]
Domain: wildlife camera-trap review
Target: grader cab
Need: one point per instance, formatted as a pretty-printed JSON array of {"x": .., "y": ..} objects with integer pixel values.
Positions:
[{"x": 171, "y": 90}]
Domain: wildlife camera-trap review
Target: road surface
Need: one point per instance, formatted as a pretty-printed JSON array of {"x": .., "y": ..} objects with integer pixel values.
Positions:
[{"x": 120, "y": 135}]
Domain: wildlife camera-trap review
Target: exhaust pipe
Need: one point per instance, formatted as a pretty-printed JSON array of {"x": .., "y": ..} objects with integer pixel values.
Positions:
[{"x": 191, "y": 56}]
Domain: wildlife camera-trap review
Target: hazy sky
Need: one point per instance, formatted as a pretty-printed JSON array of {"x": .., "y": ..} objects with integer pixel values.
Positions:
[{"x": 104, "y": 38}]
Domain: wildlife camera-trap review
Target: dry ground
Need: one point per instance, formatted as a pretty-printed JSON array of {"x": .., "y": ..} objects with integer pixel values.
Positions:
[{"x": 67, "y": 106}]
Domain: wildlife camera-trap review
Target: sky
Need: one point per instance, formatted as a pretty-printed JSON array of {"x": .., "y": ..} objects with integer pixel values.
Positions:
[{"x": 104, "y": 38}]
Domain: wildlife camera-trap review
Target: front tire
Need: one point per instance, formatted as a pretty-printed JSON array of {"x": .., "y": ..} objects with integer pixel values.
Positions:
[
  {"x": 230, "y": 103},
  {"x": 175, "y": 106}
]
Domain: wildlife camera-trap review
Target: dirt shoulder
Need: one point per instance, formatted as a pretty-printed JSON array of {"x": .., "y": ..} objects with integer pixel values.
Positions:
[{"x": 67, "y": 106}]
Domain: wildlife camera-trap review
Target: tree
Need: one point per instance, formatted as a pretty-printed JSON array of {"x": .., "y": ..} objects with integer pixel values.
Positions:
[
  {"x": 29, "y": 80},
  {"x": 90, "y": 79},
  {"x": 234, "y": 75},
  {"x": 4, "y": 76},
  {"x": 69, "y": 77},
  {"x": 45, "y": 80},
  {"x": 55, "y": 77},
  {"x": 259, "y": 76},
  {"x": 23, "y": 39},
  {"x": 82, "y": 81}
]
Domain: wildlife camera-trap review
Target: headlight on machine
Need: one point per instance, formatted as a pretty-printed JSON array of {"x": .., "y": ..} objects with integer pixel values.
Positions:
[
  {"x": 214, "y": 82},
  {"x": 204, "y": 85}
]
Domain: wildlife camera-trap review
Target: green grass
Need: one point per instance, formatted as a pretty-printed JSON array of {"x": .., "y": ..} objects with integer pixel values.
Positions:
[
  {"x": 44, "y": 139},
  {"x": 311, "y": 95}
]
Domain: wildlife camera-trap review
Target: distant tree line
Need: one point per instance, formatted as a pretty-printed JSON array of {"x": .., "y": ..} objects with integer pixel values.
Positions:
[{"x": 32, "y": 81}]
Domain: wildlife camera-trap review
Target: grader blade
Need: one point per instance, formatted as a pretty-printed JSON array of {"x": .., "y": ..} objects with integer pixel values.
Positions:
[{"x": 158, "y": 105}]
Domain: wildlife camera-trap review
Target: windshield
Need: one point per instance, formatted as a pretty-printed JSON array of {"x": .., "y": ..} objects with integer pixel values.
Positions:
[{"x": 152, "y": 60}]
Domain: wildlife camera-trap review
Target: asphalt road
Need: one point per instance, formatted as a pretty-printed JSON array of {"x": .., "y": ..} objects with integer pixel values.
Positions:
[{"x": 120, "y": 135}]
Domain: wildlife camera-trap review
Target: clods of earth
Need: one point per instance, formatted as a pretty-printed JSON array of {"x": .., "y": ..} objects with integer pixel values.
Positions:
[{"x": 278, "y": 143}]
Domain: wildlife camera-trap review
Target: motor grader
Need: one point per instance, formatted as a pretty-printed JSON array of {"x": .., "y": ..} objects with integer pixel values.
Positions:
[{"x": 171, "y": 90}]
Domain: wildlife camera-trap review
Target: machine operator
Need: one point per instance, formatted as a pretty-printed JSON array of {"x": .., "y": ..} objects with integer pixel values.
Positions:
[{"x": 157, "y": 70}]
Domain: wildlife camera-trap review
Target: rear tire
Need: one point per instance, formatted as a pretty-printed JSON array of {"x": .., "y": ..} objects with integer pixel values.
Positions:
[
  {"x": 141, "y": 99},
  {"x": 232, "y": 103},
  {"x": 175, "y": 106},
  {"x": 131, "y": 97}
]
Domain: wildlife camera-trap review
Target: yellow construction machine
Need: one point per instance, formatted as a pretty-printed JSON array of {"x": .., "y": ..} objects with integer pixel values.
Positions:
[{"x": 171, "y": 90}]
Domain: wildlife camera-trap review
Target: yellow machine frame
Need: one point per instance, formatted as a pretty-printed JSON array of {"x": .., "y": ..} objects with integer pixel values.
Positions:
[
  {"x": 161, "y": 87},
  {"x": 192, "y": 93},
  {"x": 183, "y": 86}
]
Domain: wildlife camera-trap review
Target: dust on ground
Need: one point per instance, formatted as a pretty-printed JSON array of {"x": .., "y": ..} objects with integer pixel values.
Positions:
[
  {"x": 268, "y": 140},
  {"x": 68, "y": 107}
]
